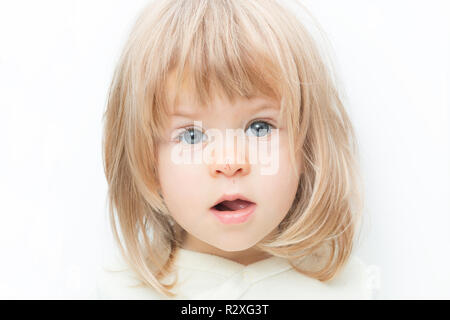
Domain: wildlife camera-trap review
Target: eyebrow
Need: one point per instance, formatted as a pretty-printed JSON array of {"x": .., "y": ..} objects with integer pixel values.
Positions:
[
  {"x": 185, "y": 114},
  {"x": 255, "y": 109}
]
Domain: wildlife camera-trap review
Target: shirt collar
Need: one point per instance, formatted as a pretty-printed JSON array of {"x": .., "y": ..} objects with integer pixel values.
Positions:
[{"x": 215, "y": 264}]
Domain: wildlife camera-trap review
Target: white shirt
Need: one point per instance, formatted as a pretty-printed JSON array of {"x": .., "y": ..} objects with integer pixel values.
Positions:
[{"x": 206, "y": 276}]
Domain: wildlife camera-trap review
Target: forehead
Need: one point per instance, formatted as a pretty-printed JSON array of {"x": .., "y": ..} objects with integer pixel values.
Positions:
[
  {"x": 183, "y": 102},
  {"x": 253, "y": 105}
]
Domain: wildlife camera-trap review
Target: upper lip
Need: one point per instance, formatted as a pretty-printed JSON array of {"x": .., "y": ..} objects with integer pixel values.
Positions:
[{"x": 231, "y": 197}]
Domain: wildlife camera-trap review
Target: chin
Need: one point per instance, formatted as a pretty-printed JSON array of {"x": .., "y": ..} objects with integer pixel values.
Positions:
[{"x": 234, "y": 246}]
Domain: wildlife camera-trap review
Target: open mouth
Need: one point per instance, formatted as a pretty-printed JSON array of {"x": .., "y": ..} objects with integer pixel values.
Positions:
[
  {"x": 233, "y": 209},
  {"x": 234, "y": 205}
]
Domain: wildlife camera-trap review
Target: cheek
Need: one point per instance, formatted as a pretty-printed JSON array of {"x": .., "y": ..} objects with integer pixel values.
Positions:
[
  {"x": 181, "y": 184},
  {"x": 280, "y": 187}
]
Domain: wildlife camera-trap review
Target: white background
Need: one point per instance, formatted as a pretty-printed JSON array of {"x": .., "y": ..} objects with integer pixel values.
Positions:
[{"x": 56, "y": 62}]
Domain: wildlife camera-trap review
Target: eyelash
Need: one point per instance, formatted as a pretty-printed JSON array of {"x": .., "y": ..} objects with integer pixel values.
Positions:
[{"x": 178, "y": 138}]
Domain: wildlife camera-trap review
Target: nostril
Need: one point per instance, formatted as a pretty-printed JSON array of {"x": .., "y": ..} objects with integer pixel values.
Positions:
[{"x": 221, "y": 171}]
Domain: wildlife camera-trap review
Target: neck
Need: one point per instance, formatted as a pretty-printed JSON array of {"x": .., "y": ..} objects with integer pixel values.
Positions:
[{"x": 244, "y": 257}]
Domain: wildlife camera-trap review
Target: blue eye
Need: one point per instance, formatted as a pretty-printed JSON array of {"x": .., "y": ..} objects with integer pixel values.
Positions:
[
  {"x": 192, "y": 136},
  {"x": 260, "y": 128}
]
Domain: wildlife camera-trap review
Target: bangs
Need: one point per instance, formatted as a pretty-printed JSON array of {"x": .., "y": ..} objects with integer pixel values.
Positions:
[{"x": 209, "y": 50}]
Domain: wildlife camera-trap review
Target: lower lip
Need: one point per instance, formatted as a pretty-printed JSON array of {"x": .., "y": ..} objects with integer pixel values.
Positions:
[{"x": 234, "y": 217}]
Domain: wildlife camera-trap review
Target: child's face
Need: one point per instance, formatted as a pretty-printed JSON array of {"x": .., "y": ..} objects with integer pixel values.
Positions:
[{"x": 190, "y": 190}]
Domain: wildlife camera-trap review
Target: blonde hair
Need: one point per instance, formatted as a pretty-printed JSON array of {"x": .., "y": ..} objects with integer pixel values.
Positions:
[{"x": 239, "y": 48}]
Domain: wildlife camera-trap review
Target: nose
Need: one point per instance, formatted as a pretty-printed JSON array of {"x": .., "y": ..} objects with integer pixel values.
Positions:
[
  {"x": 231, "y": 166},
  {"x": 230, "y": 169}
]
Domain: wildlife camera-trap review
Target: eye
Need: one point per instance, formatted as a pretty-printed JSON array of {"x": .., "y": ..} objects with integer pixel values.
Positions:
[
  {"x": 260, "y": 128},
  {"x": 191, "y": 136}
]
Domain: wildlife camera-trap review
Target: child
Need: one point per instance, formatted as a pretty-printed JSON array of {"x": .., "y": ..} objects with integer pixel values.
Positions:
[{"x": 196, "y": 222}]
